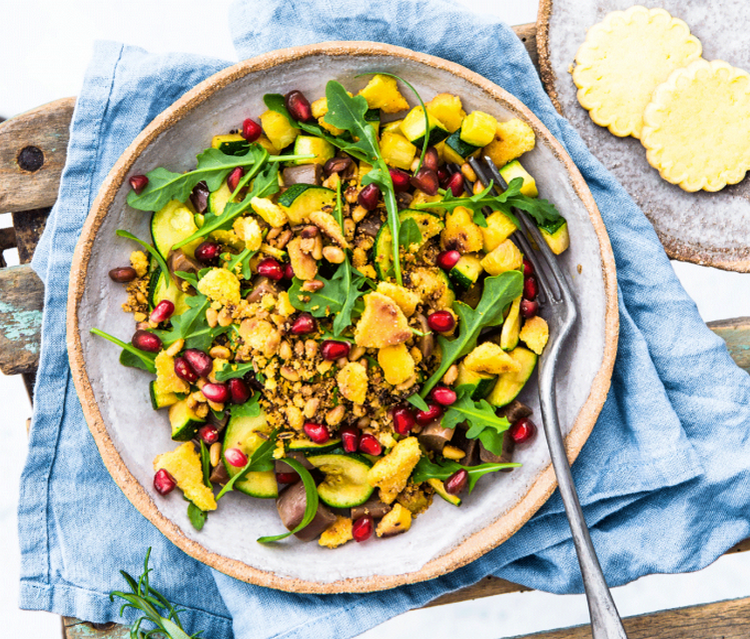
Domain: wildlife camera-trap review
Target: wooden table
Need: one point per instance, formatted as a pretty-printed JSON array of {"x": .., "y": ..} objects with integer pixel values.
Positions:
[{"x": 32, "y": 154}]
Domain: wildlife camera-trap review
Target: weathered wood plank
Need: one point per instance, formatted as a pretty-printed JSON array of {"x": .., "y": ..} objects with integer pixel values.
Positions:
[
  {"x": 76, "y": 629},
  {"x": 736, "y": 333},
  {"x": 28, "y": 227},
  {"x": 21, "y": 300},
  {"x": 527, "y": 35},
  {"x": 33, "y": 148}
]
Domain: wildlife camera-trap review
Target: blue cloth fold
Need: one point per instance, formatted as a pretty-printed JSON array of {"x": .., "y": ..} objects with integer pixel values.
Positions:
[{"x": 663, "y": 478}]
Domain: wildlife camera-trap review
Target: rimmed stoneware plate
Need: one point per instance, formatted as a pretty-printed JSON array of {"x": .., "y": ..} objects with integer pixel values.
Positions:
[
  {"x": 130, "y": 434},
  {"x": 703, "y": 228}
]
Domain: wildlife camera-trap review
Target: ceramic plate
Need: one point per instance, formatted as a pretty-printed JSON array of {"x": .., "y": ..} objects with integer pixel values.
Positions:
[{"x": 130, "y": 434}]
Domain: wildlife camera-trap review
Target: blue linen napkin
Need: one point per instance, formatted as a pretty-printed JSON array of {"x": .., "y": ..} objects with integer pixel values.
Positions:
[{"x": 672, "y": 435}]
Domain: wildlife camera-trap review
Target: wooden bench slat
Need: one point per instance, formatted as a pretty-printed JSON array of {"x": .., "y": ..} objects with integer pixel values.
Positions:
[{"x": 21, "y": 301}]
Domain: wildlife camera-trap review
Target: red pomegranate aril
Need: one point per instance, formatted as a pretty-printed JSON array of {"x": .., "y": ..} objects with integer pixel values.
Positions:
[
  {"x": 138, "y": 183},
  {"x": 362, "y": 528},
  {"x": 433, "y": 412},
  {"x": 444, "y": 396},
  {"x": 208, "y": 434},
  {"x": 403, "y": 420},
  {"x": 528, "y": 267},
  {"x": 530, "y": 288},
  {"x": 164, "y": 483},
  {"x": 251, "y": 130},
  {"x": 162, "y": 312},
  {"x": 235, "y": 457},
  {"x": 184, "y": 371},
  {"x": 298, "y": 106},
  {"x": 443, "y": 176},
  {"x": 239, "y": 391},
  {"x": 332, "y": 349},
  {"x": 288, "y": 271},
  {"x": 199, "y": 197},
  {"x": 349, "y": 438},
  {"x": 318, "y": 433},
  {"x": 456, "y": 483},
  {"x": 287, "y": 478},
  {"x": 199, "y": 361},
  {"x": 234, "y": 178},
  {"x": 145, "y": 341},
  {"x": 208, "y": 253},
  {"x": 303, "y": 325},
  {"x": 441, "y": 321},
  {"x": 369, "y": 197},
  {"x": 448, "y": 259},
  {"x": 529, "y": 308},
  {"x": 122, "y": 274},
  {"x": 456, "y": 184},
  {"x": 426, "y": 180},
  {"x": 522, "y": 430},
  {"x": 400, "y": 180},
  {"x": 218, "y": 393},
  {"x": 431, "y": 159},
  {"x": 270, "y": 268},
  {"x": 369, "y": 445}
]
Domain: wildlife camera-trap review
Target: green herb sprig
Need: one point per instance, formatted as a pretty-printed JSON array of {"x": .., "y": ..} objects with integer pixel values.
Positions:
[
  {"x": 485, "y": 425},
  {"x": 261, "y": 460},
  {"x": 426, "y": 469},
  {"x": 137, "y": 358}
]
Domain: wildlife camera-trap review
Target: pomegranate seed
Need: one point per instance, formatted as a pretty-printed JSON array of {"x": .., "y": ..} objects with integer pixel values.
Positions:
[
  {"x": 433, "y": 413},
  {"x": 183, "y": 370},
  {"x": 443, "y": 176},
  {"x": 138, "y": 183},
  {"x": 456, "y": 184},
  {"x": 529, "y": 308},
  {"x": 317, "y": 432},
  {"x": 145, "y": 341},
  {"x": 349, "y": 438},
  {"x": 270, "y": 268},
  {"x": 369, "y": 197},
  {"x": 122, "y": 274},
  {"x": 528, "y": 268},
  {"x": 332, "y": 349},
  {"x": 369, "y": 445},
  {"x": 441, "y": 321},
  {"x": 403, "y": 420},
  {"x": 425, "y": 180},
  {"x": 251, "y": 130},
  {"x": 287, "y": 478},
  {"x": 218, "y": 393},
  {"x": 162, "y": 312},
  {"x": 199, "y": 361},
  {"x": 234, "y": 178},
  {"x": 288, "y": 271},
  {"x": 164, "y": 483},
  {"x": 448, "y": 259},
  {"x": 444, "y": 396},
  {"x": 400, "y": 180},
  {"x": 431, "y": 159},
  {"x": 303, "y": 325},
  {"x": 298, "y": 106},
  {"x": 362, "y": 528},
  {"x": 199, "y": 197},
  {"x": 238, "y": 390},
  {"x": 522, "y": 430},
  {"x": 456, "y": 483},
  {"x": 530, "y": 288},
  {"x": 235, "y": 457},
  {"x": 208, "y": 253},
  {"x": 337, "y": 165},
  {"x": 209, "y": 434}
]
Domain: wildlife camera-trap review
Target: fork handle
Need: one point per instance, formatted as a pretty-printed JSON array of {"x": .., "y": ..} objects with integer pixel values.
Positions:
[{"x": 605, "y": 620}]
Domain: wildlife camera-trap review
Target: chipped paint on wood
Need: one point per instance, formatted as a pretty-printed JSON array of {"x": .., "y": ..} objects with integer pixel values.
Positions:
[{"x": 21, "y": 300}]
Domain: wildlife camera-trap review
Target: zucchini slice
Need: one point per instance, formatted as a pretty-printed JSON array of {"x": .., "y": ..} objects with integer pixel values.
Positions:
[
  {"x": 219, "y": 199},
  {"x": 312, "y": 145},
  {"x": 558, "y": 239},
  {"x": 456, "y": 150},
  {"x": 243, "y": 433},
  {"x": 466, "y": 272},
  {"x": 172, "y": 224},
  {"x": 345, "y": 484},
  {"x": 311, "y": 448},
  {"x": 160, "y": 399},
  {"x": 429, "y": 226},
  {"x": 184, "y": 421},
  {"x": 508, "y": 385},
  {"x": 413, "y": 128},
  {"x": 514, "y": 170},
  {"x": 511, "y": 326},
  {"x": 230, "y": 144},
  {"x": 440, "y": 490},
  {"x": 481, "y": 382},
  {"x": 161, "y": 288},
  {"x": 299, "y": 200}
]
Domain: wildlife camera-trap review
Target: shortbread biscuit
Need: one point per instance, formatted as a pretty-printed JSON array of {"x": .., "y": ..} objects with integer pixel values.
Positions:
[
  {"x": 697, "y": 126},
  {"x": 622, "y": 61}
]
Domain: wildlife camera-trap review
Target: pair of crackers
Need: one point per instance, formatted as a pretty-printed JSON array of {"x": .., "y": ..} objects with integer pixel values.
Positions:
[{"x": 640, "y": 73}]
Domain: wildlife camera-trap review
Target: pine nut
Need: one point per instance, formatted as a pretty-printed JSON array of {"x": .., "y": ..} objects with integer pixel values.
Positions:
[
  {"x": 359, "y": 213},
  {"x": 217, "y": 406},
  {"x": 202, "y": 411},
  {"x": 225, "y": 317},
  {"x": 176, "y": 347},
  {"x": 335, "y": 415},
  {"x": 212, "y": 317},
  {"x": 451, "y": 375},
  {"x": 289, "y": 373},
  {"x": 478, "y": 187},
  {"x": 311, "y": 407},
  {"x": 311, "y": 348},
  {"x": 214, "y": 453},
  {"x": 317, "y": 251},
  {"x": 334, "y": 254},
  {"x": 221, "y": 352},
  {"x": 356, "y": 353},
  {"x": 468, "y": 172},
  {"x": 285, "y": 350}
]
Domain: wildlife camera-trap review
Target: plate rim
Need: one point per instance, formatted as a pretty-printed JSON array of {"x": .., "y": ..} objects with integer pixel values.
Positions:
[{"x": 467, "y": 549}]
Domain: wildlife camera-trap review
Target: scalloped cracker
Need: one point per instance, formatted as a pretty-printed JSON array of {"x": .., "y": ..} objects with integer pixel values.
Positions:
[
  {"x": 697, "y": 126},
  {"x": 624, "y": 58}
]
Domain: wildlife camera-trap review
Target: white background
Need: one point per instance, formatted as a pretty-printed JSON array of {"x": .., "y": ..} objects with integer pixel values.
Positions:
[{"x": 45, "y": 46}]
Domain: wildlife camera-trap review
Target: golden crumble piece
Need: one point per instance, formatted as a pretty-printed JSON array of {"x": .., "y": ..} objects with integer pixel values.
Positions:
[
  {"x": 328, "y": 224},
  {"x": 397, "y": 363},
  {"x": 460, "y": 232},
  {"x": 407, "y": 300},
  {"x": 414, "y": 499},
  {"x": 218, "y": 364},
  {"x": 260, "y": 335},
  {"x": 269, "y": 211},
  {"x": 352, "y": 381},
  {"x": 166, "y": 379},
  {"x": 382, "y": 323},
  {"x": 382, "y": 93},
  {"x": 512, "y": 139},
  {"x": 221, "y": 286},
  {"x": 397, "y": 521},
  {"x": 139, "y": 262},
  {"x": 184, "y": 464},
  {"x": 338, "y": 534},
  {"x": 448, "y": 109},
  {"x": 535, "y": 334},
  {"x": 248, "y": 229},
  {"x": 391, "y": 472},
  {"x": 490, "y": 359},
  {"x": 284, "y": 306}
]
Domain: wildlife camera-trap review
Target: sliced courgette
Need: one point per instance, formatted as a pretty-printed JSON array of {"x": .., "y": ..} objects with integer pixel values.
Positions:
[
  {"x": 184, "y": 421},
  {"x": 245, "y": 433},
  {"x": 171, "y": 224},
  {"x": 429, "y": 226},
  {"x": 431, "y": 283},
  {"x": 514, "y": 170},
  {"x": 313, "y": 145},
  {"x": 508, "y": 385},
  {"x": 413, "y": 128},
  {"x": 466, "y": 272},
  {"x": 440, "y": 490},
  {"x": 511, "y": 326},
  {"x": 161, "y": 287},
  {"x": 299, "y": 200},
  {"x": 310, "y": 448},
  {"x": 482, "y": 383},
  {"x": 160, "y": 399},
  {"x": 372, "y": 116},
  {"x": 456, "y": 150},
  {"x": 556, "y": 235},
  {"x": 219, "y": 199},
  {"x": 345, "y": 484},
  {"x": 230, "y": 144}
]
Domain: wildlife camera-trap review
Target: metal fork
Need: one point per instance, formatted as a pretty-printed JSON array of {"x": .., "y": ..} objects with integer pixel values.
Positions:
[{"x": 561, "y": 315}]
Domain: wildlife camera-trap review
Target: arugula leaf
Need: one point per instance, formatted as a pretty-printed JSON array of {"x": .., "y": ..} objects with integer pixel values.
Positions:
[
  {"x": 206, "y": 464},
  {"x": 261, "y": 460},
  {"x": 409, "y": 234},
  {"x": 311, "y": 499},
  {"x": 234, "y": 370},
  {"x": 243, "y": 261},
  {"x": 418, "y": 402},
  {"x": 251, "y": 408},
  {"x": 192, "y": 325},
  {"x": 499, "y": 291},
  {"x": 154, "y": 253},
  {"x": 485, "y": 425},
  {"x": 196, "y": 516},
  {"x": 426, "y": 469},
  {"x": 135, "y": 358}
]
